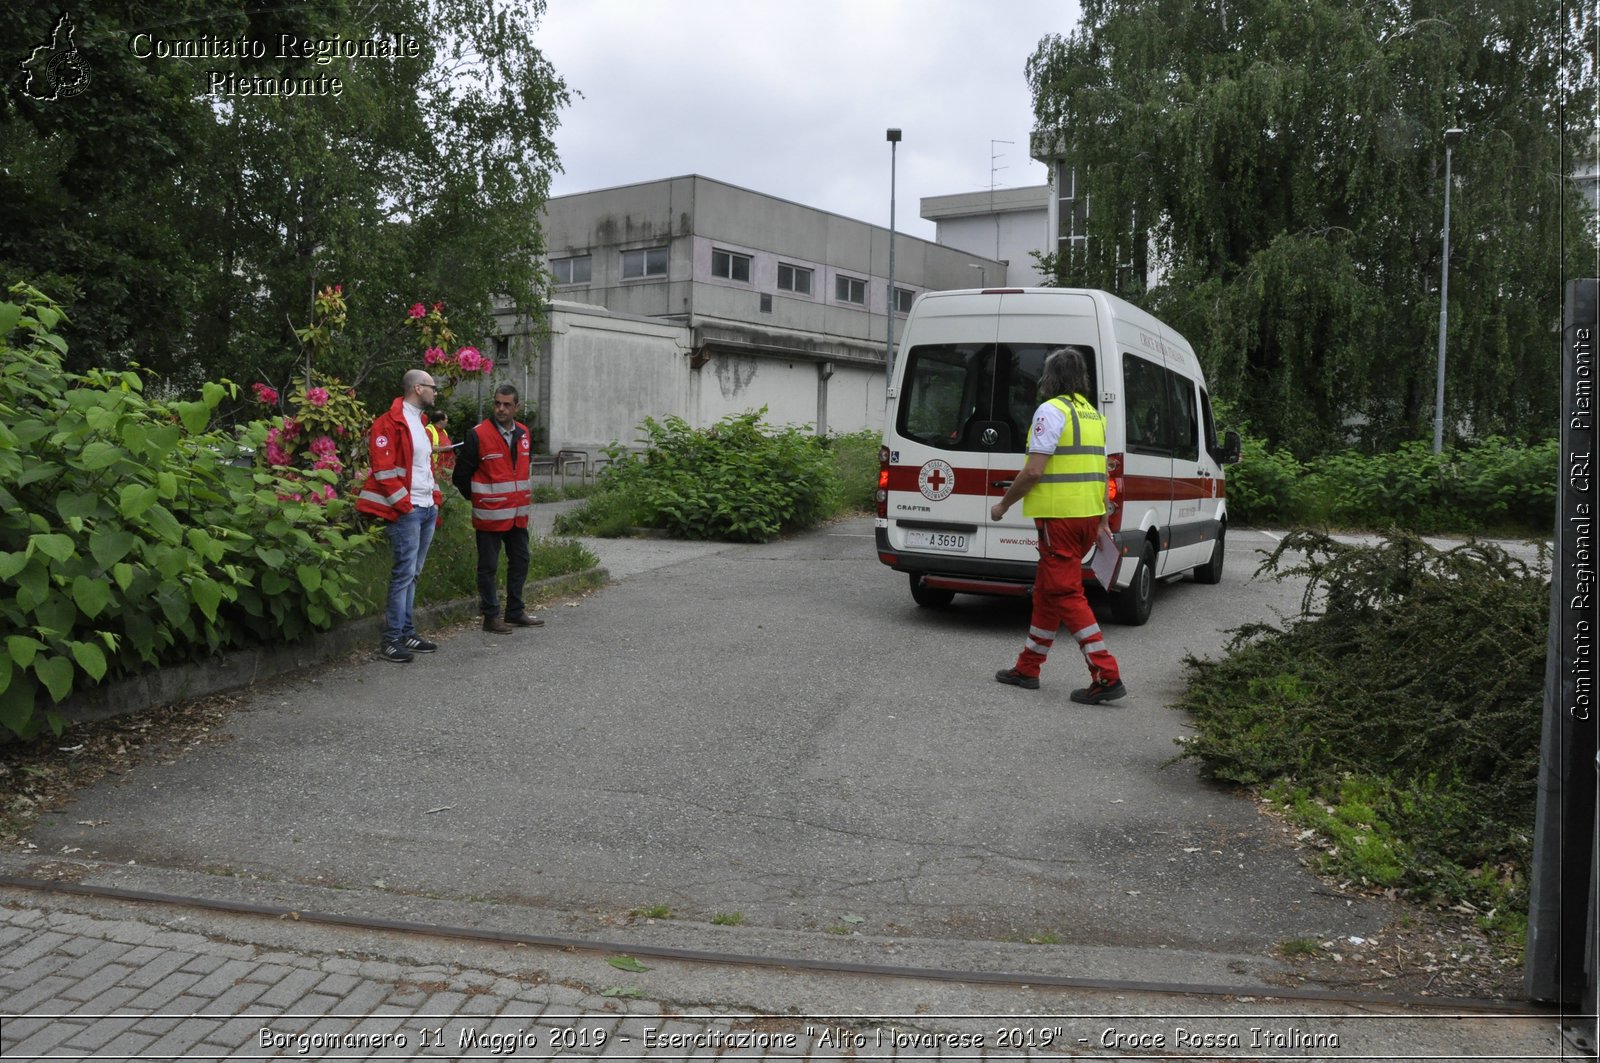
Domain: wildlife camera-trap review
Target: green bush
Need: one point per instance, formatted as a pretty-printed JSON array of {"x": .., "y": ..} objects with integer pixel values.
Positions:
[
  {"x": 739, "y": 480},
  {"x": 1491, "y": 486},
  {"x": 1398, "y": 715},
  {"x": 131, "y": 536},
  {"x": 855, "y": 469}
]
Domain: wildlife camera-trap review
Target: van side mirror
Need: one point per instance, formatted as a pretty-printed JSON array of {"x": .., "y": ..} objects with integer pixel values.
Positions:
[{"x": 1229, "y": 454}]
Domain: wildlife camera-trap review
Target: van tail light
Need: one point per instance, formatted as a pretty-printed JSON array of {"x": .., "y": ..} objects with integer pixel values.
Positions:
[
  {"x": 883, "y": 481},
  {"x": 1114, "y": 490}
]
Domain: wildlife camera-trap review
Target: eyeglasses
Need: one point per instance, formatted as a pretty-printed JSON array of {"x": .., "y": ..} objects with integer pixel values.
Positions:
[{"x": 433, "y": 386}]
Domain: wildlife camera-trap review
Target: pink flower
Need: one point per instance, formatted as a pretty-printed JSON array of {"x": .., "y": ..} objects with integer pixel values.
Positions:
[
  {"x": 338, "y": 289},
  {"x": 328, "y": 461},
  {"x": 291, "y": 428},
  {"x": 469, "y": 359},
  {"x": 488, "y": 366},
  {"x": 265, "y": 395},
  {"x": 324, "y": 445},
  {"x": 437, "y": 308},
  {"x": 276, "y": 455},
  {"x": 338, "y": 429},
  {"x": 417, "y": 310},
  {"x": 317, "y": 396},
  {"x": 432, "y": 355}
]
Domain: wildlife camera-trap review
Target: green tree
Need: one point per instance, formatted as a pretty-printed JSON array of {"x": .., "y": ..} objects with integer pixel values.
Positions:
[
  {"x": 1284, "y": 159},
  {"x": 189, "y": 228}
]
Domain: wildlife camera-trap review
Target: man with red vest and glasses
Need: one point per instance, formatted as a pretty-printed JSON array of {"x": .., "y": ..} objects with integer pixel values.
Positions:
[
  {"x": 492, "y": 472},
  {"x": 400, "y": 489}
]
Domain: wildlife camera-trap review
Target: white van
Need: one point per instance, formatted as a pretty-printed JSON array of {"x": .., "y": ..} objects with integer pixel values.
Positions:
[{"x": 962, "y": 397}]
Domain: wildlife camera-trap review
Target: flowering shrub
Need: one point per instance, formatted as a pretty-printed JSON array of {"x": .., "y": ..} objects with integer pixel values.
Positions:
[
  {"x": 325, "y": 433},
  {"x": 322, "y": 438},
  {"x": 433, "y": 332}
]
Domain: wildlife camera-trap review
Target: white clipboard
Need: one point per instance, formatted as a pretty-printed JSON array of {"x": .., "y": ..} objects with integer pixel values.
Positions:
[{"x": 1105, "y": 560}]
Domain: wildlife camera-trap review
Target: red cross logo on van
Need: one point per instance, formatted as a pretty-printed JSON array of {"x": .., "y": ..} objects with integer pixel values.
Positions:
[{"x": 936, "y": 480}]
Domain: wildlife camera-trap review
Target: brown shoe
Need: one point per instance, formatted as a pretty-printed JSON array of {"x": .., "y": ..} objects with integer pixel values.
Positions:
[
  {"x": 524, "y": 620},
  {"x": 495, "y": 625}
]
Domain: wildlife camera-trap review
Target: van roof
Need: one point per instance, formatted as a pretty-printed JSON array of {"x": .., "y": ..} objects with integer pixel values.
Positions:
[{"x": 1118, "y": 308}]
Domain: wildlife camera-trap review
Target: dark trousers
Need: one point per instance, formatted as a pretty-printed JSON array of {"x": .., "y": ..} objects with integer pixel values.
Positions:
[{"x": 516, "y": 543}]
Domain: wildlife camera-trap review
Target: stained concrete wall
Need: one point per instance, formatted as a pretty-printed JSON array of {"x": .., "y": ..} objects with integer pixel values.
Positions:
[{"x": 597, "y": 374}]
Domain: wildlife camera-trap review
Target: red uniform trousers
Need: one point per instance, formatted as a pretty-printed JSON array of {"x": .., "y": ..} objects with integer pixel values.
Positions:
[{"x": 1058, "y": 599}]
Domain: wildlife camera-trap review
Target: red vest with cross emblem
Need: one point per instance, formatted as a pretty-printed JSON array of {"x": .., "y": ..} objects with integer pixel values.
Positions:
[{"x": 501, "y": 495}]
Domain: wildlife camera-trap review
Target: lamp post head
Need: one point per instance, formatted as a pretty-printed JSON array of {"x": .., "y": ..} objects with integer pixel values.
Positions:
[
  {"x": 1453, "y": 135},
  {"x": 893, "y": 136}
]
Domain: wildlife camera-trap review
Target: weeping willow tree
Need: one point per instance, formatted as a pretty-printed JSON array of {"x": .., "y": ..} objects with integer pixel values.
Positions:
[{"x": 1283, "y": 163}]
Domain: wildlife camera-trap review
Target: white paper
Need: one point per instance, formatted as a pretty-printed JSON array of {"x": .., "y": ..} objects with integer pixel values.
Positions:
[{"x": 1104, "y": 563}]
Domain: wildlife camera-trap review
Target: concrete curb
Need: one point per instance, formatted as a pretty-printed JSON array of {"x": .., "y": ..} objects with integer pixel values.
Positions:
[{"x": 243, "y": 668}]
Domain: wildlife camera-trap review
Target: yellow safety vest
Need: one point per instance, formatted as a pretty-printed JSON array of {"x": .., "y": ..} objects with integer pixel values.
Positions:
[{"x": 1074, "y": 482}]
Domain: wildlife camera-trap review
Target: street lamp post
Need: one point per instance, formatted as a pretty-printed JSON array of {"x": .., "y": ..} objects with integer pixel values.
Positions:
[
  {"x": 1452, "y": 137},
  {"x": 893, "y": 137}
]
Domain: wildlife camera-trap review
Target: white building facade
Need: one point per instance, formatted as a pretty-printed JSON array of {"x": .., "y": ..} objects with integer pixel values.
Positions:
[
  {"x": 695, "y": 298},
  {"x": 1012, "y": 225}
]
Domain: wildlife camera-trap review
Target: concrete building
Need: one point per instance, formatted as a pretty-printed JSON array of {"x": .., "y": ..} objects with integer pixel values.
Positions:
[
  {"x": 696, "y": 298},
  {"x": 1012, "y": 224}
]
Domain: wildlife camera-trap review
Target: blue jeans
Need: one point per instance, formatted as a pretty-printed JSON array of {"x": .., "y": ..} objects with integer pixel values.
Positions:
[{"x": 410, "y": 535}]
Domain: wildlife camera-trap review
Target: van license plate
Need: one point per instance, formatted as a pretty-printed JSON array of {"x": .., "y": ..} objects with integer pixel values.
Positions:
[{"x": 950, "y": 542}]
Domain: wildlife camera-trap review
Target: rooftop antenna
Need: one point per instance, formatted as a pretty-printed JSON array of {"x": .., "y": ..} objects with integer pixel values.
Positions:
[{"x": 993, "y": 169}]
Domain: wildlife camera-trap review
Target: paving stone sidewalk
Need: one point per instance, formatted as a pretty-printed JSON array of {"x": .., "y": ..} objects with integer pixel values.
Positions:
[{"x": 78, "y": 986}]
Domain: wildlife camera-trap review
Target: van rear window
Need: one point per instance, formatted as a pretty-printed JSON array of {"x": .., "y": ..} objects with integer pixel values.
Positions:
[{"x": 957, "y": 395}]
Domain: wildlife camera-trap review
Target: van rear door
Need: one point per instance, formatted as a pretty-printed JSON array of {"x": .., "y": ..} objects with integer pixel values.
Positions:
[{"x": 938, "y": 487}]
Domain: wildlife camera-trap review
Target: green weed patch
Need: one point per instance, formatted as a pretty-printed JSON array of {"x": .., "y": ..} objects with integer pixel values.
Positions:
[{"x": 1397, "y": 717}]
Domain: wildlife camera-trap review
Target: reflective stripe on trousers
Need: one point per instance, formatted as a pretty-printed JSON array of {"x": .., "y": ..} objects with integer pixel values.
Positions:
[{"x": 1058, "y": 599}]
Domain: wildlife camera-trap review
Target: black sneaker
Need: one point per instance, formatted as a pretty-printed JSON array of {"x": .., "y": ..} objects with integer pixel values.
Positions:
[
  {"x": 418, "y": 644},
  {"x": 396, "y": 652},
  {"x": 1017, "y": 679},
  {"x": 1099, "y": 691}
]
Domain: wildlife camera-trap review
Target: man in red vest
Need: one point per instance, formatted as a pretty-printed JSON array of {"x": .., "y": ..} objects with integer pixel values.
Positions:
[
  {"x": 400, "y": 490},
  {"x": 492, "y": 472}
]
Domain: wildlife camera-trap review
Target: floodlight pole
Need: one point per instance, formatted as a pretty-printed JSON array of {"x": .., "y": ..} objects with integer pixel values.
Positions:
[{"x": 1452, "y": 137}]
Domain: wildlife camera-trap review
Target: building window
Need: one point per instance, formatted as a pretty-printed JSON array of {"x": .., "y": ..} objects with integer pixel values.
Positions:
[
  {"x": 573, "y": 270},
  {"x": 730, "y": 265},
  {"x": 903, "y": 298},
  {"x": 647, "y": 262},
  {"x": 1072, "y": 239},
  {"x": 850, "y": 290},
  {"x": 795, "y": 279}
]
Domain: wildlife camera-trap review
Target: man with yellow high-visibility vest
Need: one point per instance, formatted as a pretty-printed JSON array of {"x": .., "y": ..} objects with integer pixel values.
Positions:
[
  {"x": 1063, "y": 488},
  {"x": 492, "y": 472}
]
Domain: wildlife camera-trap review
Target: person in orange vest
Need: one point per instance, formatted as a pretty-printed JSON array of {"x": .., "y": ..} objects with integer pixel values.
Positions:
[
  {"x": 400, "y": 490},
  {"x": 444, "y": 454},
  {"x": 492, "y": 473}
]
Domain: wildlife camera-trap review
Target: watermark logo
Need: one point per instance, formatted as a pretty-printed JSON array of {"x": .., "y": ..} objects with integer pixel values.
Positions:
[{"x": 56, "y": 71}]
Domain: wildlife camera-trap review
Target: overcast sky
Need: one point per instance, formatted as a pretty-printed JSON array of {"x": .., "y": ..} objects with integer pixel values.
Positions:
[{"x": 793, "y": 99}]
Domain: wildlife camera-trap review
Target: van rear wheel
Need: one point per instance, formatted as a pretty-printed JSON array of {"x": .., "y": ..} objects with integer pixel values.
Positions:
[
  {"x": 932, "y": 597},
  {"x": 1211, "y": 571},
  {"x": 1132, "y": 606}
]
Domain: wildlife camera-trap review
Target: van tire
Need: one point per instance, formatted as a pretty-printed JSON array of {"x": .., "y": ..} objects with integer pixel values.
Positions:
[
  {"x": 931, "y": 597},
  {"x": 1211, "y": 572},
  {"x": 1132, "y": 606}
]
